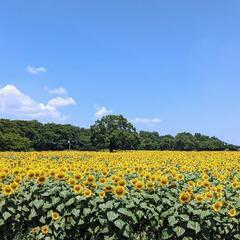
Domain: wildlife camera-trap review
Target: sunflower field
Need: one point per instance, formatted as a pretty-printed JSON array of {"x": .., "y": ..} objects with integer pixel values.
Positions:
[{"x": 122, "y": 195}]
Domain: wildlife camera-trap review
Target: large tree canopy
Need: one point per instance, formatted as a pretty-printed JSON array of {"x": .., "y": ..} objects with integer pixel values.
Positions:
[{"x": 114, "y": 132}]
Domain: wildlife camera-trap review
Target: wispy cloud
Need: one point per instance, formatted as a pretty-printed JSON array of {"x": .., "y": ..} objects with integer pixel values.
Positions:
[
  {"x": 61, "y": 102},
  {"x": 102, "y": 111},
  {"x": 35, "y": 70},
  {"x": 15, "y": 103},
  {"x": 59, "y": 91},
  {"x": 147, "y": 120}
]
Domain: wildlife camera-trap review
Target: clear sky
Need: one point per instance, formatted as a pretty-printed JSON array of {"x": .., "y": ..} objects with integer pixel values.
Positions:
[{"x": 168, "y": 66}]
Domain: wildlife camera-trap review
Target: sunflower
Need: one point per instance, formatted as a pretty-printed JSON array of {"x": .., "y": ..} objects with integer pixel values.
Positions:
[
  {"x": 55, "y": 216},
  {"x": 102, "y": 180},
  {"x": 217, "y": 206},
  {"x": 41, "y": 180},
  {"x": 235, "y": 184},
  {"x": 185, "y": 197},
  {"x": 121, "y": 182},
  {"x": 139, "y": 185},
  {"x": 209, "y": 195},
  {"x": 44, "y": 229},
  {"x": 14, "y": 185},
  {"x": 87, "y": 193},
  {"x": 199, "y": 198},
  {"x": 108, "y": 188},
  {"x": 34, "y": 230},
  {"x": 71, "y": 181},
  {"x": 77, "y": 188},
  {"x": 90, "y": 178},
  {"x": 164, "y": 180},
  {"x": 102, "y": 194},
  {"x": 232, "y": 212},
  {"x": 191, "y": 184},
  {"x": 60, "y": 175},
  {"x": 7, "y": 190},
  {"x": 119, "y": 191},
  {"x": 150, "y": 185}
]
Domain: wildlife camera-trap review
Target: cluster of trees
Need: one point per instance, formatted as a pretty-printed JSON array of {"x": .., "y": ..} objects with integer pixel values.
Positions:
[{"x": 112, "y": 132}]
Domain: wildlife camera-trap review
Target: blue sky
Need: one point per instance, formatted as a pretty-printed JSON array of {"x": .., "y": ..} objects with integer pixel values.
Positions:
[{"x": 168, "y": 66}]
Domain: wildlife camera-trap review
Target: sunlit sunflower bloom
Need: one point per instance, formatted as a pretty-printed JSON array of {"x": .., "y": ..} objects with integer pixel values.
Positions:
[
  {"x": 105, "y": 172},
  {"x": 108, "y": 188},
  {"x": 232, "y": 212},
  {"x": 199, "y": 183},
  {"x": 14, "y": 185},
  {"x": 235, "y": 184},
  {"x": 119, "y": 191},
  {"x": 30, "y": 174},
  {"x": 44, "y": 229},
  {"x": 209, "y": 195},
  {"x": 185, "y": 197},
  {"x": 102, "y": 180},
  {"x": 34, "y": 230},
  {"x": 133, "y": 181},
  {"x": 139, "y": 185},
  {"x": 7, "y": 190},
  {"x": 90, "y": 178},
  {"x": 121, "y": 182},
  {"x": 217, "y": 206},
  {"x": 55, "y": 216},
  {"x": 164, "y": 180},
  {"x": 41, "y": 180},
  {"x": 87, "y": 193},
  {"x": 52, "y": 173},
  {"x": 102, "y": 194},
  {"x": 206, "y": 184},
  {"x": 60, "y": 175},
  {"x": 71, "y": 181},
  {"x": 150, "y": 185},
  {"x": 78, "y": 176},
  {"x": 77, "y": 188},
  {"x": 180, "y": 177},
  {"x": 18, "y": 180},
  {"x": 191, "y": 184},
  {"x": 199, "y": 198}
]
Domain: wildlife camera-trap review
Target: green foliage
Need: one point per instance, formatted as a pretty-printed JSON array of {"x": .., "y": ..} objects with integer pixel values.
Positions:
[
  {"x": 110, "y": 132},
  {"x": 114, "y": 132}
]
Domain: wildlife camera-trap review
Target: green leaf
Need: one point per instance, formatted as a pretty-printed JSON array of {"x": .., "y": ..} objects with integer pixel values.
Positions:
[
  {"x": 70, "y": 202},
  {"x": 32, "y": 214},
  {"x": 119, "y": 223},
  {"x": 179, "y": 231},
  {"x": 172, "y": 221},
  {"x": 194, "y": 226},
  {"x": 75, "y": 212},
  {"x": 112, "y": 216},
  {"x": 38, "y": 203},
  {"x": 6, "y": 215}
]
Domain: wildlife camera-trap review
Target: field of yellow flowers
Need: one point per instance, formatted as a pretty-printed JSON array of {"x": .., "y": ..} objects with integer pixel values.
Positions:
[{"x": 121, "y": 195}]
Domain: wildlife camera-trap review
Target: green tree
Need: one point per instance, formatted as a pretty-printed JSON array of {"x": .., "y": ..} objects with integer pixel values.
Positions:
[
  {"x": 14, "y": 142},
  {"x": 166, "y": 142},
  {"x": 149, "y": 140},
  {"x": 114, "y": 132},
  {"x": 185, "y": 141}
]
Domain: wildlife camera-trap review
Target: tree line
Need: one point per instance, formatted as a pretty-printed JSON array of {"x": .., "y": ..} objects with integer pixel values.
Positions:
[{"x": 112, "y": 132}]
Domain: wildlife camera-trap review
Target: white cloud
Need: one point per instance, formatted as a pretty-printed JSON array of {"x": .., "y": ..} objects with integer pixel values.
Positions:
[
  {"x": 61, "y": 102},
  {"x": 147, "y": 121},
  {"x": 102, "y": 111},
  {"x": 59, "y": 91},
  {"x": 35, "y": 70},
  {"x": 14, "y": 103}
]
